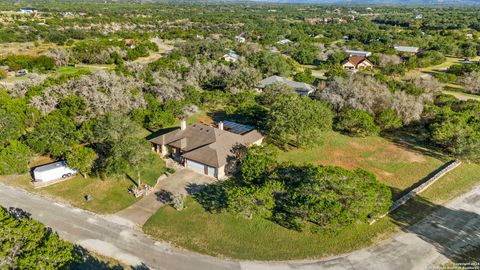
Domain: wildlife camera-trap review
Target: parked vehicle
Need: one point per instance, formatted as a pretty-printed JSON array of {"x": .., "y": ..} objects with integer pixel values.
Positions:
[
  {"x": 52, "y": 171},
  {"x": 21, "y": 72}
]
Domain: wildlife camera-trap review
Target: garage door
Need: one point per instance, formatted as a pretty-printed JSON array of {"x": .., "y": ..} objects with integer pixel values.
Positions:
[
  {"x": 211, "y": 171},
  {"x": 196, "y": 166}
]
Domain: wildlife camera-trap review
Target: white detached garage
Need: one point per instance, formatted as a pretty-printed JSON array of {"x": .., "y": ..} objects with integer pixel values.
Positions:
[{"x": 52, "y": 171}]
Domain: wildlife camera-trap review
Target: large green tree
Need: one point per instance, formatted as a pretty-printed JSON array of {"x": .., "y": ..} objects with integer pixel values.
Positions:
[
  {"x": 14, "y": 158},
  {"x": 258, "y": 162},
  {"x": 298, "y": 120},
  {"x": 330, "y": 197},
  {"x": 82, "y": 158},
  {"x": 27, "y": 244},
  {"x": 56, "y": 134}
]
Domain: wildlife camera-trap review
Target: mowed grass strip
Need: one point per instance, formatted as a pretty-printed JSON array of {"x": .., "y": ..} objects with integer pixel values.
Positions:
[{"x": 395, "y": 165}]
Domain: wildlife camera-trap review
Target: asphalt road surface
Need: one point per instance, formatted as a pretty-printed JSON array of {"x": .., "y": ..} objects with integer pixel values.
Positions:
[{"x": 452, "y": 229}]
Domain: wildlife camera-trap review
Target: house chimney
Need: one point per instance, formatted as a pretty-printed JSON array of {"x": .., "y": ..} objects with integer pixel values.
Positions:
[
  {"x": 183, "y": 124},
  {"x": 220, "y": 125}
]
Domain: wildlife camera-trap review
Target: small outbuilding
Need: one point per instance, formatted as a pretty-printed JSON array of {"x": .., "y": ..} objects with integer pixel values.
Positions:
[
  {"x": 53, "y": 171},
  {"x": 358, "y": 53},
  {"x": 407, "y": 49},
  {"x": 303, "y": 89},
  {"x": 231, "y": 57},
  {"x": 28, "y": 10},
  {"x": 284, "y": 41}
]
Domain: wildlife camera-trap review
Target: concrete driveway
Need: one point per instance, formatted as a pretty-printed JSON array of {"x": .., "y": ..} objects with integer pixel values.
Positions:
[{"x": 183, "y": 181}]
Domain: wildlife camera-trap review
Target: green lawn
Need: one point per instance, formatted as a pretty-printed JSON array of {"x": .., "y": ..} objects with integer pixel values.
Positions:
[
  {"x": 110, "y": 195},
  {"x": 226, "y": 235},
  {"x": 393, "y": 164},
  {"x": 69, "y": 70}
]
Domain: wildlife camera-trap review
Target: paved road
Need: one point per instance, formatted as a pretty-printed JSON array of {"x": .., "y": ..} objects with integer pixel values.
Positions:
[{"x": 447, "y": 231}]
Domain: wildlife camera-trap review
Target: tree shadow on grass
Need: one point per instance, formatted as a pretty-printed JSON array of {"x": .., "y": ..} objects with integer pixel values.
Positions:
[
  {"x": 453, "y": 232},
  {"x": 212, "y": 197},
  {"x": 408, "y": 138}
]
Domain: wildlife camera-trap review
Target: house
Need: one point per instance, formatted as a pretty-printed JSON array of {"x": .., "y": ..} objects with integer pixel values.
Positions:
[
  {"x": 67, "y": 14},
  {"x": 284, "y": 41},
  {"x": 231, "y": 57},
  {"x": 301, "y": 88},
  {"x": 28, "y": 10},
  {"x": 356, "y": 62},
  {"x": 358, "y": 53},
  {"x": 418, "y": 17},
  {"x": 239, "y": 39},
  {"x": 469, "y": 36},
  {"x": 8, "y": 71},
  {"x": 406, "y": 49},
  {"x": 130, "y": 43},
  {"x": 206, "y": 149},
  {"x": 53, "y": 171}
]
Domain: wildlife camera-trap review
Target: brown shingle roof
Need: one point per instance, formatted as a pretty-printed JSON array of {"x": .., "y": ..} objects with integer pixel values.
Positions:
[
  {"x": 356, "y": 59},
  {"x": 206, "y": 144}
]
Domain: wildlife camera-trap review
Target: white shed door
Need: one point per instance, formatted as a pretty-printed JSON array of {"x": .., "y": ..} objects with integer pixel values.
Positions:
[
  {"x": 196, "y": 166},
  {"x": 211, "y": 171}
]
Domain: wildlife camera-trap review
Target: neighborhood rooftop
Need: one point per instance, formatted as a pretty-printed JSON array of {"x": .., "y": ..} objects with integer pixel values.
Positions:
[
  {"x": 206, "y": 144},
  {"x": 50, "y": 166},
  {"x": 360, "y": 53},
  {"x": 406, "y": 49},
  {"x": 300, "y": 87}
]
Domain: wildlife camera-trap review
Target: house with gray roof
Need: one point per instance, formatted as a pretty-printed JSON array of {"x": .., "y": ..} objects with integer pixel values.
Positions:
[
  {"x": 203, "y": 148},
  {"x": 406, "y": 49},
  {"x": 301, "y": 88},
  {"x": 358, "y": 53}
]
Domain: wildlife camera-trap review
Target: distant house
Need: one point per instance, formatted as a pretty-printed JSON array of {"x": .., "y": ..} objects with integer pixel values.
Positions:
[
  {"x": 469, "y": 36},
  {"x": 231, "y": 57},
  {"x": 67, "y": 14},
  {"x": 8, "y": 71},
  {"x": 356, "y": 62},
  {"x": 418, "y": 16},
  {"x": 239, "y": 39},
  {"x": 358, "y": 53},
  {"x": 130, "y": 43},
  {"x": 28, "y": 10},
  {"x": 406, "y": 49},
  {"x": 301, "y": 88},
  {"x": 206, "y": 149},
  {"x": 284, "y": 41}
]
